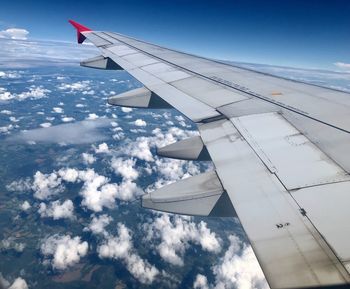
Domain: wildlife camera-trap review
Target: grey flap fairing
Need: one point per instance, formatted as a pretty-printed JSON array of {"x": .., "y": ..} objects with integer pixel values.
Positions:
[{"x": 201, "y": 195}]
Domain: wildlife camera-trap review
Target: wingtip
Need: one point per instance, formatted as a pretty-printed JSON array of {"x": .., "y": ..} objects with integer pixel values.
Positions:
[{"x": 80, "y": 28}]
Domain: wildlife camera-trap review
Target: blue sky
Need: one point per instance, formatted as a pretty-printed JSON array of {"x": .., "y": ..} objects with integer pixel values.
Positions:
[{"x": 310, "y": 34}]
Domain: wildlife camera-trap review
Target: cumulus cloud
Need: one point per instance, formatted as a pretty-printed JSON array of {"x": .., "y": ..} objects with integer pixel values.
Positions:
[
  {"x": 46, "y": 185},
  {"x": 102, "y": 148},
  {"x": 125, "y": 168},
  {"x": 92, "y": 116},
  {"x": 120, "y": 247},
  {"x": 238, "y": 268},
  {"x": 98, "y": 224},
  {"x": 14, "y": 33},
  {"x": 57, "y": 109},
  {"x": 76, "y": 86},
  {"x": 19, "y": 283},
  {"x": 176, "y": 233},
  {"x": 33, "y": 92},
  {"x": 5, "y": 111},
  {"x": 10, "y": 74},
  {"x": 6, "y": 129},
  {"x": 45, "y": 124},
  {"x": 88, "y": 158},
  {"x": 141, "y": 149},
  {"x": 11, "y": 244},
  {"x": 201, "y": 282},
  {"x": 25, "y": 206},
  {"x": 67, "y": 119},
  {"x": 98, "y": 193},
  {"x": 57, "y": 210},
  {"x": 21, "y": 185},
  {"x": 71, "y": 133},
  {"x": 69, "y": 175},
  {"x": 63, "y": 251},
  {"x": 126, "y": 109},
  {"x": 140, "y": 122}
]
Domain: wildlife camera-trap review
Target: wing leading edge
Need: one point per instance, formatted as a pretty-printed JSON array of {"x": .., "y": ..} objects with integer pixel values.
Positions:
[{"x": 265, "y": 136}]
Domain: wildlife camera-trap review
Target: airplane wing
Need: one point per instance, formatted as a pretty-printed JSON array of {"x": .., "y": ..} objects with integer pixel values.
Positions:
[{"x": 280, "y": 150}]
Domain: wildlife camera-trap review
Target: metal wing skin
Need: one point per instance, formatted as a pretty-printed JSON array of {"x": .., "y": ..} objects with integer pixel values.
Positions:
[{"x": 280, "y": 150}]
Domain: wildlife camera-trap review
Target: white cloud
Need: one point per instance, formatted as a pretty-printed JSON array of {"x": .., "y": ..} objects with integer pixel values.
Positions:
[
  {"x": 102, "y": 148},
  {"x": 69, "y": 133},
  {"x": 92, "y": 116},
  {"x": 45, "y": 124},
  {"x": 6, "y": 95},
  {"x": 98, "y": 224},
  {"x": 21, "y": 185},
  {"x": 342, "y": 65},
  {"x": 6, "y": 129},
  {"x": 201, "y": 282},
  {"x": 67, "y": 119},
  {"x": 46, "y": 185},
  {"x": 57, "y": 109},
  {"x": 34, "y": 92},
  {"x": 125, "y": 168},
  {"x": 25, "y": 53},
  {"x": 63, "y": 251},
  {"x": 96, "y": 191},
  {"x": 88, "y": 158},
  {"x": 14, "y": 33},
  {"x": 11, "y": 244},
  {"x": 57, "y": 210},
  {"x": 19, "y": 283},
  {"x": 76, "y": 86},
  {"x": 25, "y": 206},
  {"x": 141, "y": 149},
  {"x": 121, "y": 248},
  {"x": 181, "y": 120},
  {"x": 238, "y": 268},
  {"x": 10, "y": 74},
  {"x": 140, "y": 122},
  {"x": 176, "y": 233},
  {"x": 172, "y": 135},
  {"x": 5, "y": 111},
  {"x": 69, "y": 175},
  {"x": 126, "y": 109}
]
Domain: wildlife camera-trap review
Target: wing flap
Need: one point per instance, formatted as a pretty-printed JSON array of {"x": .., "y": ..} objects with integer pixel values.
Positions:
[
  {"x": 327, "y": 206},
  {"x": 286, "y": 152}
]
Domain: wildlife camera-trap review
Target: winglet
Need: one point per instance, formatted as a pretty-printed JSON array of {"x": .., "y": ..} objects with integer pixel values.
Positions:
[{"x": 80, "y": 28}]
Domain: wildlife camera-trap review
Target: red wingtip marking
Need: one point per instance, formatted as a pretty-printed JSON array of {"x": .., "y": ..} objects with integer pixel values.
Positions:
[{"x": 79, "y": 27}]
